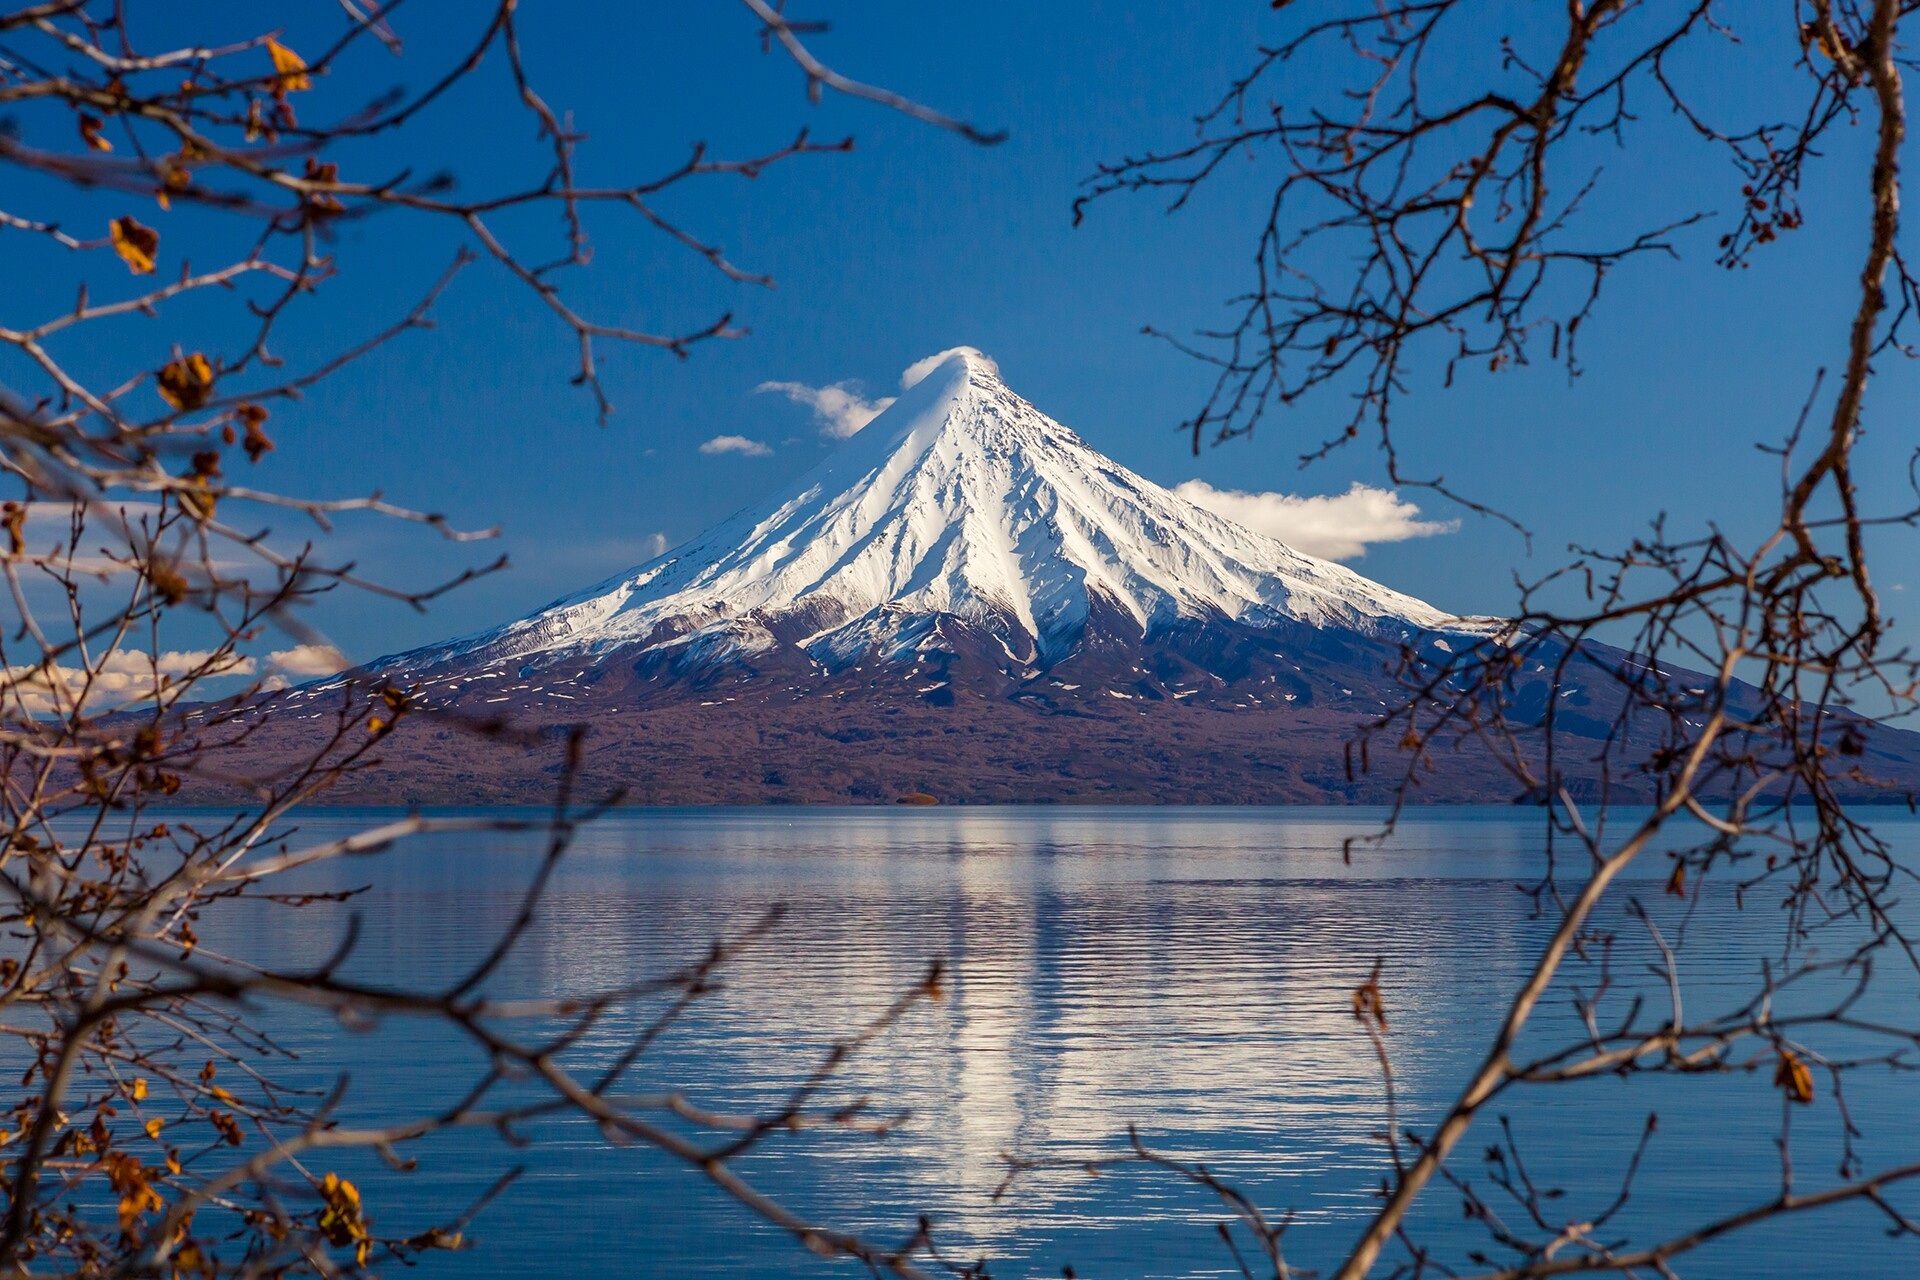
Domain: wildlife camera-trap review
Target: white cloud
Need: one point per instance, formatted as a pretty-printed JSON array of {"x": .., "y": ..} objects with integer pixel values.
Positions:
[
  {"x": 308, "y": 660},
  {"x": 839, "y": 410},
  {"x": 121, "y": 679},
  {"x": 655, "y": 544},
  {"x": 921, "y": 368},
  {"x": 736, "y": 444},
  {"x": 1331, "y": 526}
]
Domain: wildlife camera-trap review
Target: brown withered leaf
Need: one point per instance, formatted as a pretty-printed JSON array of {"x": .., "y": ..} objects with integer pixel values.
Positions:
[
  {"x": 13, "y": 517},
  {"x": 137, "y": 245},
  {"x": 1677, "y": 882},
  {"x": 256, "y": 123},
  {"x": 174, "y": 176},
  {"x": 200, "y": 501},
  {"x": 1369, "y": 1004},
  {"x": 186, "y": 382},
  {"x": 90, "y": 127},
  {"x": 323, "y": 201},
  {"x": 252, "y": 417},
  {"x": 291, "y": 67},
  {"x": 1793, "y": 1078},
  {"x": 167, "y": 584}
]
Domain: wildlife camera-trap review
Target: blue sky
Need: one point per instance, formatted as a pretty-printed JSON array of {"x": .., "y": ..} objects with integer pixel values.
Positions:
[{"x": 919, "y": 241}]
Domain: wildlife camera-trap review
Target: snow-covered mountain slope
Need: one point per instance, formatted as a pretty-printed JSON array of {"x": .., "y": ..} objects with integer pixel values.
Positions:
[{"x": 961, "y": 501}]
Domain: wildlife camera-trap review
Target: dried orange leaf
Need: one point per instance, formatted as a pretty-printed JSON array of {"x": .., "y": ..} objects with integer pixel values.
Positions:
[
  {"x": 198, "y": 502},
  {"x": 186, "y": 382},
  {"x": 137, "y": 1197},
  {"x": 343, "y": 1221},
  {"x": 153, "y": 1128},
  {"x": 174, "y": 176},
  {"x": 167, "y": 584},
  {"x": 291, "y": 66},
  {"x": 1793, "y": 1078},
  {"x": 139, "y": 1090},
  {"x": 90, "y": 133},
  {"x": 323, "y": 202},
  {"x": 138, "y": 245},
  {"x": 1369, "y": 1004}
]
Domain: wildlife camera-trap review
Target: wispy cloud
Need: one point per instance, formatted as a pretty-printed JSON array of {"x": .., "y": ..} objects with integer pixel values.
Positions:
[
  {"x": 1331, "y": 526},
  {"x": 839, "y": 410},
  {"x": 921, "y": 368},
  {"x": 736, "y": 444},
  {"x": 115, "y": 536},
  {"x": 108, "y": 531}
]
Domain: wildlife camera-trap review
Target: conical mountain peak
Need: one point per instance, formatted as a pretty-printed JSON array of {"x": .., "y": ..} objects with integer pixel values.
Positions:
[
  {"x": 965, "y": 599},
  {"x": 961, "y": 502}
]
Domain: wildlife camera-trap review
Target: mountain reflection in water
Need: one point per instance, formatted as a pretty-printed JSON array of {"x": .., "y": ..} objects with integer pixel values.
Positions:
[{"x": 1188, "y": 971}]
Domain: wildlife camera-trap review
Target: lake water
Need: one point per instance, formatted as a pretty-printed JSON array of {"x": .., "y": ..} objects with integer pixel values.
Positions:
[{"x": 1186, "y": 971}]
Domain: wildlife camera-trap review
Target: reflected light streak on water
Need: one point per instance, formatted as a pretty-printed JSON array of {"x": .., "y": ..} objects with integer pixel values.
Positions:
[{"x": 1188, "y": 971}]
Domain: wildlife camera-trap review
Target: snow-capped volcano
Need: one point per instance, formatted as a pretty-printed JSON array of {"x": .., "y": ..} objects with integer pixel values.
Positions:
[
  {"x": 967, "y": 601},
  {"x": 960, "y": 504}
]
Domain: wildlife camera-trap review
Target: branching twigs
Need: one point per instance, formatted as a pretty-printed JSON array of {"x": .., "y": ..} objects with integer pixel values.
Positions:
[
  {"x": 1437, "y": 212},
  {"x": 154, "y": 1133},
  {"x": 820, "y": 76},
  {"x": 1268, "y": 1234}
]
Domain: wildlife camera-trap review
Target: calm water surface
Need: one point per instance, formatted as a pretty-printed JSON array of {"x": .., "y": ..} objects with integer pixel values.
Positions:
[{"x": 1185, "y": 971}]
